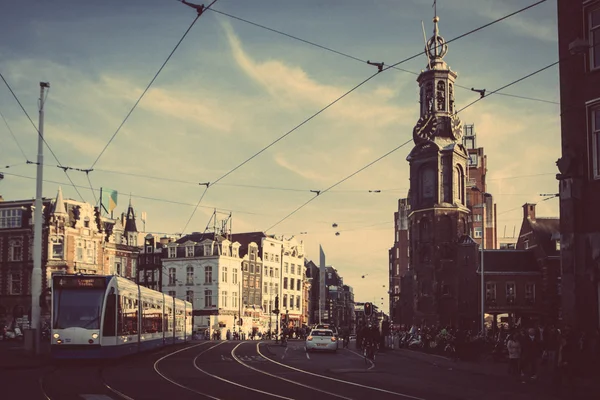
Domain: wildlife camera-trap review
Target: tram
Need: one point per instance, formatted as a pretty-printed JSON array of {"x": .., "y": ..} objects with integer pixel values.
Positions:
[{"x": 98, "y": 316}]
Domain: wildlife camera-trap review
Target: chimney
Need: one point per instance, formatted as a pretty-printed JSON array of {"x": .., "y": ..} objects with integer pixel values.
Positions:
[{"x": 529, "y": 211}]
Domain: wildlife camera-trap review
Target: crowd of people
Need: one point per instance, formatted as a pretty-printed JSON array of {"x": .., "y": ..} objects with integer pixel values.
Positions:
[{"x": 565, "y": 353}]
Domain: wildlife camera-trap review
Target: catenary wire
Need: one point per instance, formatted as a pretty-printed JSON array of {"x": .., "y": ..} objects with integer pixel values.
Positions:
[
  {"x": 141, "y": 197},
  {"x": 40, "y": 134},
  {"x": 13, "y": 136},
  {"x": 357, "y": 58},
  {"x": 336, "y": 184},
  {"x": 380, "y": 158},
  {"x": 355, "y": 88},
  {"x": 148, "y": 87}
]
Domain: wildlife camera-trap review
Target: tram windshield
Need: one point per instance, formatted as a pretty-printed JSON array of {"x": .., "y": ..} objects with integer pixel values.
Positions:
[{"x": 77, "y": 308}]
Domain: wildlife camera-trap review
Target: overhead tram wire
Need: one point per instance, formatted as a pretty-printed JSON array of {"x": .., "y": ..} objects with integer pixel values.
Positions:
[
  {"x": 360, "y": 59},
  {"x": 338, "y": 183},
  {"x": 13, "y": 136},
  {"x": 60, "y": 165},
  {"x": 148, "y": 87},
  {"x": 141, "y": 197},
  {"x": 356, "y": 87},
  {"x": 393, "y": 150}
]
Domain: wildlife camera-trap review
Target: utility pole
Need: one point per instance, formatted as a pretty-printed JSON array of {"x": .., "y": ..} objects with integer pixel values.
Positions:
[{"x": 36, "y": 274}]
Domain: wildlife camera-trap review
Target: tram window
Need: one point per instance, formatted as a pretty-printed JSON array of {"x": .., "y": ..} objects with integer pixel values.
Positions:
[
  {"x": 151, "y": 320},
  {"x": 77, "y": 308},
  {"x": 127, "y": 323},
  {"x": 109, "y": 328}
]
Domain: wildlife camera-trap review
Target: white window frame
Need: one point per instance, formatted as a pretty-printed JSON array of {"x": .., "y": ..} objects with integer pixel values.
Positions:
[
  {"x": 208, "y": 298},
  {"x": 11, "y": 283},
  {"x": 477, "y": 232},
  {"x": 11, "y": 218},
  {"x": 189, "y": 251},
  {"x": 172, "y": 252},
  {"x": 224, "y": 274},
  {"x": 172, "y": 276},
  {"x": 208, "y": 275},
  {"x": 189, "y": 280}
]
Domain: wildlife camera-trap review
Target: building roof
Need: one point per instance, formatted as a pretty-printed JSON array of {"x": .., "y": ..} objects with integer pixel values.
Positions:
[
  {"x": 244, "y": 239},
  {"x": 195, "y": 237},
  {"x": 545, "y": 230},
  {"x": 507, "y": 261}
]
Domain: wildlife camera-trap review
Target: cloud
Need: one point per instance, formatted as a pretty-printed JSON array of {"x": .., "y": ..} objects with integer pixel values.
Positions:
[{"x": 293, "y": 87}]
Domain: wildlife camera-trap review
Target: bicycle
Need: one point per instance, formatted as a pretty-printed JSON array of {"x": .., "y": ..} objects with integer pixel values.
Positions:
[{"x": 369, "y": 352}]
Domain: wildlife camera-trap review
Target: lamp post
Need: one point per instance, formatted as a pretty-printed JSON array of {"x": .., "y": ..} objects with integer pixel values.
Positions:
[{"x": 484, "y": 195}]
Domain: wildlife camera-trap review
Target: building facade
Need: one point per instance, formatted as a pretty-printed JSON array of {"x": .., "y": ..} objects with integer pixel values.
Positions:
[
  {"x": 205, "y": 269},
  {"x": 477, "y": 202},
  {"x": 522, "y": 283},
  {"x": 579, "y": 165},
  {"x": 398, "y": 256},
  {"x": 16, "y": 259}
]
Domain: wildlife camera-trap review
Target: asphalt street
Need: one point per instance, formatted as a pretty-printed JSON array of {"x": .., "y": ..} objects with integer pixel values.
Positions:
[{"x": 263, "y": 370}]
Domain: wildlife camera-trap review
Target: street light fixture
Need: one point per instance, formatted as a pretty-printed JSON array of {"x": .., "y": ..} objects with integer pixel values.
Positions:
[{"x": 484, "y": 195}]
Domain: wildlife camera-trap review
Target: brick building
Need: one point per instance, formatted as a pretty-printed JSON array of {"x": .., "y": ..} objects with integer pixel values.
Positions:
[
  {"x": 16, "y": 258},
  {"x": 579, "y": 165},
  {"x": 477, "y": 178},
  {"x": 524, "y": 282}
]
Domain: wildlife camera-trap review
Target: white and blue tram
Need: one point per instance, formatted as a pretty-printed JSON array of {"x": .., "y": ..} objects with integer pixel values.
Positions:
[{"x": 96, "y": 316}]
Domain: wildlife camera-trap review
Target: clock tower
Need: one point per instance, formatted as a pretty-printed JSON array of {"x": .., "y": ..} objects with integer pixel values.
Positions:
[{"x": 438, "y": 221}]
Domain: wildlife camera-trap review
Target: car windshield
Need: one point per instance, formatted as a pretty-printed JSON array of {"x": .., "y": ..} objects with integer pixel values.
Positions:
[
  {"x": 77, "y": 308},
  {"x": 321, "y": 333}
]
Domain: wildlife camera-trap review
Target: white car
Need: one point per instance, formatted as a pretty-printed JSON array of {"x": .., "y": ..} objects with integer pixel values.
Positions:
[{"x": 321, "y": 339}]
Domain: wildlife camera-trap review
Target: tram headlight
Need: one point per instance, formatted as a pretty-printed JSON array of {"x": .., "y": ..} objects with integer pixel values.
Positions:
[
  {"x": 94, "y": 336},
  {"x": 56, "y": 336}
]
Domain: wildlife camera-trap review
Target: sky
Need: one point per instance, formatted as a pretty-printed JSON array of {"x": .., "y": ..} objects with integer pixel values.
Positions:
[{"x": 232, "y": 88}]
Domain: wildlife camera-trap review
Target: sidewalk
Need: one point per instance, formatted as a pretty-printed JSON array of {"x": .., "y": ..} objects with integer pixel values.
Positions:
[
  {"x": 13, "y": 356},
  {"x": 486, "y": 368}
]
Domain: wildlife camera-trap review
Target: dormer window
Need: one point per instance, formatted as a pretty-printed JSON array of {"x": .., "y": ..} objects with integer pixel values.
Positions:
[
  {"x": 189, "y": 251},
  {"x": 526, "y": 243},
  {"x": 207, "y": 251},
  {"x": 172, "y": 252},
  {"x": 86, "y": 222},
  {"x": 149, "y": 249}
]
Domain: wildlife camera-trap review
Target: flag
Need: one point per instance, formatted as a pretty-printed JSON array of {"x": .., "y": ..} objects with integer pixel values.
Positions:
[{"x": 108, "y": 201}]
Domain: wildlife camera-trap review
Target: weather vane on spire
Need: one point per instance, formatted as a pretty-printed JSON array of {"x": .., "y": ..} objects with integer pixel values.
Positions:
[{"x": 436, "y": 47}]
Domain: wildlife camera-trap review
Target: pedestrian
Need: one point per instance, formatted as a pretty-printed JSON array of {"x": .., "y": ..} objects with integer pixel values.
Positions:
[
  {"x": 514, "y": 355},
  {"x": 565, "y": 365},
  {"x": 531, "y": 351}
]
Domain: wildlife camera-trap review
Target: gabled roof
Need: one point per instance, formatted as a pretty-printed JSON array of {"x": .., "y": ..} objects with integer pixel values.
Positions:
[{"x": 517, "y": 261}]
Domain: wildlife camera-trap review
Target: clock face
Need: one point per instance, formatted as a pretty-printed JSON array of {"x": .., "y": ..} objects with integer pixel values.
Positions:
[
  {"x": 426, "y": 127},
  {"x": 456, "y": 127}
]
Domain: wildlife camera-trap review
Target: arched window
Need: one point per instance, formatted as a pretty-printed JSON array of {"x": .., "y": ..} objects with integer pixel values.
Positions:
[
  {"x": 441, "y": 96},
  {"x": 450, "y": 98},
  {"x": 459, "y": 185}
]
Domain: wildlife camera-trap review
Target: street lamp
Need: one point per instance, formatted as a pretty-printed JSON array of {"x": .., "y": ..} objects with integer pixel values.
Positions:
[{"x": 484, "y": 195}]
